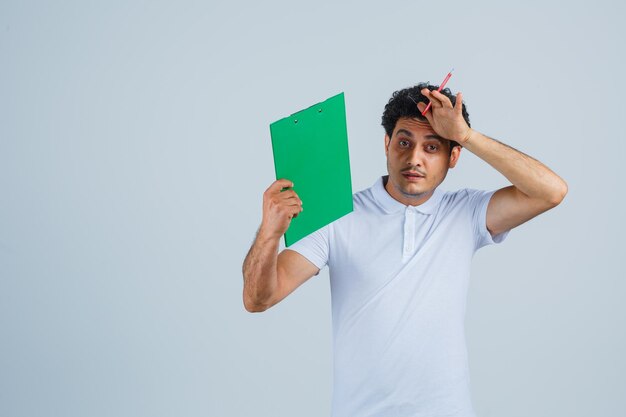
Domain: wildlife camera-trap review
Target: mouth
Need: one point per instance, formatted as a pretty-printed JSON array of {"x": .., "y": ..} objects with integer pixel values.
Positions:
[{"x": 412, "y": 176}]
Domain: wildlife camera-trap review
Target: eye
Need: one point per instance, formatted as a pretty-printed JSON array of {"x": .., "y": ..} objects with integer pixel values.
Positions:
[
  {"x": 403, "y": 143},
  {"x": 432, "y": 148}
]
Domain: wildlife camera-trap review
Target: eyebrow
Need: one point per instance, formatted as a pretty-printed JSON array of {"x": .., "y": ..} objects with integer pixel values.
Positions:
[
  {"x": 406, "y": 132},
  {"x": 429, "y": 137},
  {"x": 435, "y": 137}
]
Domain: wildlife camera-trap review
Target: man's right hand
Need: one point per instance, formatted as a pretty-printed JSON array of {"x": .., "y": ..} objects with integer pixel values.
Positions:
[
  {"x": 270, "y": 276},
  {"x": 279, "y": 207}
]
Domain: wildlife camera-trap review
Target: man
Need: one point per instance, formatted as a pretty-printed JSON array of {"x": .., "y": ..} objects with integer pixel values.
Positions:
[{"x": 399, "y": 263}]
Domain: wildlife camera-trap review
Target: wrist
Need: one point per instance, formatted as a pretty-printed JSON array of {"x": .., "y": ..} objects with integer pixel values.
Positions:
[
  {"x": 267, "y": 235},
  {"x": 467, "y": 139}
]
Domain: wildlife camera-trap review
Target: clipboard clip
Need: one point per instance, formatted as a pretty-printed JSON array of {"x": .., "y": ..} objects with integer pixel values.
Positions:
[{"x": 319, "y": 110}]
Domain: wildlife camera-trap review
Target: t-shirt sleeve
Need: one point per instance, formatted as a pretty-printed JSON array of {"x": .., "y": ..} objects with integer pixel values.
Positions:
[
  {"x": 478, "y": 202},
  {"x": 314, "y": 247}
]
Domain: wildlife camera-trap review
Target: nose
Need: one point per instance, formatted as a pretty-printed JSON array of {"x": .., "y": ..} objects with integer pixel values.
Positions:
[{"x": 415, "y": 157}]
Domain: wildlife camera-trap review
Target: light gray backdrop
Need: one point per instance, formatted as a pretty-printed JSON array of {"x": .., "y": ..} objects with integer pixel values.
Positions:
[{"x": 134, "y": 150}]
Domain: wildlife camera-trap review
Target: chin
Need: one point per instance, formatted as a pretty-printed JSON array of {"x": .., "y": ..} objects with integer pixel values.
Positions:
[{"x": 412, "y": 190}]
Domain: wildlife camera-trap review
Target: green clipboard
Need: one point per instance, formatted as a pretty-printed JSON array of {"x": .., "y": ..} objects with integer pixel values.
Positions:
[{"x": 311, "y": 149}]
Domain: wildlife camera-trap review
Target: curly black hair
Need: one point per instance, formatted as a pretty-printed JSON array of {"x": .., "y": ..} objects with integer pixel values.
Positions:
[{"x": 403, "y": 103}]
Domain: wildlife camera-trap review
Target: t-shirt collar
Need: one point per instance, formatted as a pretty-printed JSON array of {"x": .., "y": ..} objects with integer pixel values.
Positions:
[{"x": 391, "y": 205}]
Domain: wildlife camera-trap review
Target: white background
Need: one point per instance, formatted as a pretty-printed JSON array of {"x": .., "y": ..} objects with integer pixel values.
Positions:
[{"x": 134, "y": 151}]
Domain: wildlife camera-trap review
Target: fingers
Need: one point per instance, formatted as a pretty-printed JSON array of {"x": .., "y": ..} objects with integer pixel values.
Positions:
[
  {"x": 458, "y": 107},
  {"x": 437, "y": 99},
  {"x": 292, "y": 206},
  {"x": 279, "y": 185},
  {"x": 292, "y": 203},
  {"x": 280, "y": 206},
  {"x": 434, "y": 101},
  {"x": 275, "y": 192},
  {"x": 429, "y": 115},
  {"x": 287, "y": 198},
  {"x": 443, "y": 100},
  {"x": 296, "y": 212}
]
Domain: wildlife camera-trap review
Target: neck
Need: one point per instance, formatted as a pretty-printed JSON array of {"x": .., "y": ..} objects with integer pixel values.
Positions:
[{"x": 405, "y": 198}]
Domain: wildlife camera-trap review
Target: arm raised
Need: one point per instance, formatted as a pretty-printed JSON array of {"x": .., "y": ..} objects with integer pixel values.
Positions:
[
  {"x": 535, "y": 187},
  {"x": 268, "y": 276}
]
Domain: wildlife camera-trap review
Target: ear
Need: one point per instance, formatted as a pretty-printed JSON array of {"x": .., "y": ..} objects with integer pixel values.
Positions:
[
  {"x": 454, "y": 156},
  {"x": 387, "y": 141}
]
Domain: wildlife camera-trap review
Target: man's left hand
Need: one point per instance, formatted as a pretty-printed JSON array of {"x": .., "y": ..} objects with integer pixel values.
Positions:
[{"x": 446, "y": 120}]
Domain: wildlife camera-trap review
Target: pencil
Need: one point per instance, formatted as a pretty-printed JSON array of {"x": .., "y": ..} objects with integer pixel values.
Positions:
[{"x": 441, "y": 87}]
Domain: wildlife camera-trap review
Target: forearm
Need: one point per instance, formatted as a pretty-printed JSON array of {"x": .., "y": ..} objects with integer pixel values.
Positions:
[
  {"x": 528, "y": 175},
  {"x": 259, "y": 272}
]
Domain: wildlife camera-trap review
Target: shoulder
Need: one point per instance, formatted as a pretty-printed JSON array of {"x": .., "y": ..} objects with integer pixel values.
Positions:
[
  {"x": 368, "y": 200},
  {"x": 464, "y": 200},
  {"x": 363, "y": 199},
  {"x": 464, "y": 196},
  {"x": 365, "y": 207}
]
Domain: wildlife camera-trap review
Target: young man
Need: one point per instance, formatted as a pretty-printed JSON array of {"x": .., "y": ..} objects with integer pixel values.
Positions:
[{"x": 399, "y": 263}]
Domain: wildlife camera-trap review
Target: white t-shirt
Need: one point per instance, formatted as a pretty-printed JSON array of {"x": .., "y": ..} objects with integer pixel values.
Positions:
[{"x": 399, "y": 277}]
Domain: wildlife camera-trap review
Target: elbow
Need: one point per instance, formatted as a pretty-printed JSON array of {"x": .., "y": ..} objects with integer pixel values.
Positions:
[
  {"x": 254, "y": 306},
  {"x": 257, "y": 295},
  {"x": 558, "y": 194}
]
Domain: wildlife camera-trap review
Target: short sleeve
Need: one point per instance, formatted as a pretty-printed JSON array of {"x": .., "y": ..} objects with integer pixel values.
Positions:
[
  {"x": 478, "y": 202},
  {"x": 314, "y": 247}
]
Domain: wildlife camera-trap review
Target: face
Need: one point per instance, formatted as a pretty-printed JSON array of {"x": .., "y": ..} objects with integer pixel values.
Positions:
[{"x": 417, "y": 161}]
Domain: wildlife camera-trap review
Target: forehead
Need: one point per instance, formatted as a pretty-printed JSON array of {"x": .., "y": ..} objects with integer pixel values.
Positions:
[{"x": 414, "y": 126}]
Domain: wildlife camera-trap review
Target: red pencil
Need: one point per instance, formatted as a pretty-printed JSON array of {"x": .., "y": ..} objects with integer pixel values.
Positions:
[{"x": 441, "y": 87}]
